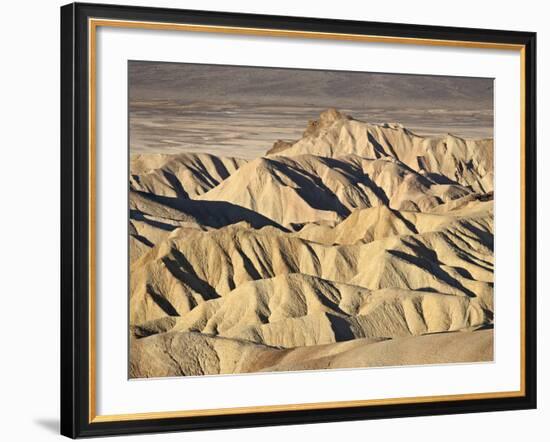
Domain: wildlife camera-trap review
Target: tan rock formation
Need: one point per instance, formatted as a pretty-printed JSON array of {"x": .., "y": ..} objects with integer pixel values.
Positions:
[{"x": 359, "y": 245}]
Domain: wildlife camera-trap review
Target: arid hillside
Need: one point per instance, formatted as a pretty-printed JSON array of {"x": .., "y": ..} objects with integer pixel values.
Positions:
[{"x": 357, "y": 245}]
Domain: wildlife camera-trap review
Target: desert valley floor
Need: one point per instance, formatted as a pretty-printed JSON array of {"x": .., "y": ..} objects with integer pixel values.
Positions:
[{"x": 358, "y": 245}]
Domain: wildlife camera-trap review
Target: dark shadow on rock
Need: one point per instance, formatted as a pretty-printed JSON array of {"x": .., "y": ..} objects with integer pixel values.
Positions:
[
  {"x": 464, "y": 273},
  {"x": 211, "y": 213},
  {"x": 405, "y": 221},
  {"x": 140, "y": 216},
  {"x": 379, "y": 149},
  {"x": 175, "y": 184},
  {"x": 248, "y": 265},
  {"x": 340, "y": 327},
  {"x": 182, "y": 270},
  {"x": 162, "y": 302},
  {"x": 356, "y": 176},
  {"x": 486, "y": 238},
  {"x": 426, "y": 262},
  {"x": 438, "y": 178},
  {"x": 465, "y": 254},
  {"x": 485, "y": 327},
  {"x": 311, "y": 188},
  {"x": 143, "y": 240}
]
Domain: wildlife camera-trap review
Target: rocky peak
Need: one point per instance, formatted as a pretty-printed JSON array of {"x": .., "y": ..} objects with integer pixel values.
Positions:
[{"x": 326, "y": 118}]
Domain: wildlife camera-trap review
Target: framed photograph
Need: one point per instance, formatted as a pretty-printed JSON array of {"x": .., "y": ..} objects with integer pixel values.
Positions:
[{"x": 279, "y": 220}]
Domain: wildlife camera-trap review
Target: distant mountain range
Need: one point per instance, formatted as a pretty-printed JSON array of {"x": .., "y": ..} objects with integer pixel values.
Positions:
[{"x": 263, "y": 85}]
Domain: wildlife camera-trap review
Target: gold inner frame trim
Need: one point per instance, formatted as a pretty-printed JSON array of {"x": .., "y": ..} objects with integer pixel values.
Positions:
[{"x": 93, "y": 24}]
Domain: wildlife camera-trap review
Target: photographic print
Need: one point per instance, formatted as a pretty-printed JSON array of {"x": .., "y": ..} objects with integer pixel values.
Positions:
[
  {"x": 271, "y": 220},
  {"x": 289, "y": 219}
]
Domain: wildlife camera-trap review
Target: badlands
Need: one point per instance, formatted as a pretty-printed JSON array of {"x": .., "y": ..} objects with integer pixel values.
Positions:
[{"x": 359, "y": 245}]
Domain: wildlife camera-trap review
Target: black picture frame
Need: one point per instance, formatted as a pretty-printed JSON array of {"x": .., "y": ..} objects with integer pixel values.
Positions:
[{"x": 75, "y": 221}]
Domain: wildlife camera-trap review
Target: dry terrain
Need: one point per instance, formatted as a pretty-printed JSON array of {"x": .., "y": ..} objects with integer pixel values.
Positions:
[{"x": 357, "y": 245}]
